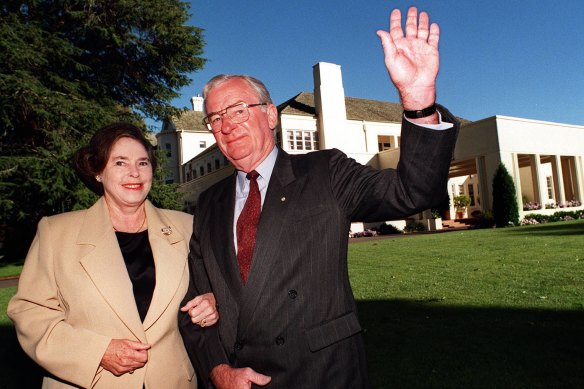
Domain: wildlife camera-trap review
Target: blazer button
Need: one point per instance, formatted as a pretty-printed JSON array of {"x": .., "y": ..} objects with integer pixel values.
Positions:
[
  {"x": 280, "y": 340},
  {"x": 292, "y": 294},
  {"x": 238, "y": 346}
]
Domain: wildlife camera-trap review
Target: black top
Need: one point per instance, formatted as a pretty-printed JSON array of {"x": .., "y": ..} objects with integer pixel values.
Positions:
[{"x": 140, "y": 264}]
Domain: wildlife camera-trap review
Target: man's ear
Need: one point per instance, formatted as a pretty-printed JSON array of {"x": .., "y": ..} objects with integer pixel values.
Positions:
[{"x": 272, "y": 116}]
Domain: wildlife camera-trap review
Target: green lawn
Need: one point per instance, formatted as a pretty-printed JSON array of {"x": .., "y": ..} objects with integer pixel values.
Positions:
[
  {"x": 494, "y": 308},
  {"x": 10, "y": 269}
]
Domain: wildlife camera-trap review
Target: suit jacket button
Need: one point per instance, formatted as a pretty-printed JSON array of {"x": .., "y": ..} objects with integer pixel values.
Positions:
[
  {"x": 238, "y": 346},
  {"x": 280, "y": 340},
  {"x": 292, "y": 294}
]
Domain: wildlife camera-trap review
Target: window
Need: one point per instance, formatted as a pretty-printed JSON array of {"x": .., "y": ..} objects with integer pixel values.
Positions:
[
  {"x": 384, "y": 142},
  {"x": 208, "y": 168},
  {"x": 168, "y": 149},
  {"x": 471, "y": 194},
  {"x": 550, "y": 187},
  {"x": 217, "y": 164},
  {"x": 202, "y": 144},
  {"x": 202, "y": 170},
  {"x": 302, "y": 140}
]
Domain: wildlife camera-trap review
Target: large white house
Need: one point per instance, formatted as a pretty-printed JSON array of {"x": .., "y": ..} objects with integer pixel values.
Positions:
[{"x": 545, "y": 159}]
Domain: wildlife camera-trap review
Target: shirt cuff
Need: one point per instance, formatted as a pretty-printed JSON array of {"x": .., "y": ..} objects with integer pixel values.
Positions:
[{"x": 440, "y": 126}]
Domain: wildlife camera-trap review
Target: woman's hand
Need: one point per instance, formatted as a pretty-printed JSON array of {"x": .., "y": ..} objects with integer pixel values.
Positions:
[
  {"x": 202, "y": 310},
  {"x": 124, "y": 356}
]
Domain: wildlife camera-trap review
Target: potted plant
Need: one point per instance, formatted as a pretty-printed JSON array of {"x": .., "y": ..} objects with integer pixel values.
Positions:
[
  {"x": 461, "y": 202},
  {"x": 435, "y": 223}
]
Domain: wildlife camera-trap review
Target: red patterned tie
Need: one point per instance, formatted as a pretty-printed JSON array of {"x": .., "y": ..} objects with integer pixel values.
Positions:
[{"x": 247, "y": 225}]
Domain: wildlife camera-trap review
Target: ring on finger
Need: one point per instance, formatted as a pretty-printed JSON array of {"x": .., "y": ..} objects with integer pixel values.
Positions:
[{"x": 202, "y": 323}]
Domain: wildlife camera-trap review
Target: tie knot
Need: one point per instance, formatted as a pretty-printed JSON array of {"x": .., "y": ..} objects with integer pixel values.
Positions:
[{"x": 253, "y": 175}]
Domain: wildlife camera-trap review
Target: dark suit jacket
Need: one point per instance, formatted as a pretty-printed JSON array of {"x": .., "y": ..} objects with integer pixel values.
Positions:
[{"x": 296, "y": 318}]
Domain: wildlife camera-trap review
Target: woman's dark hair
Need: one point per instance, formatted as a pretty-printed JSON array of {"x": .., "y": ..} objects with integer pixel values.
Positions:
[{"x": 89, "y": 161}]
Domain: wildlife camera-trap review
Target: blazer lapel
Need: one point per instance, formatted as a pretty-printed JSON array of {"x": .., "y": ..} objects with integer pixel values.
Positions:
[
  {"x": 170, "y": 261},
  {"x": 284, "y": 185},
  {"x": 106, "y": 268}
]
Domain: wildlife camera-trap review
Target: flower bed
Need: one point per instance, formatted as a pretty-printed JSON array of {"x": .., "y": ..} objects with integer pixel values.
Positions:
[{"x": 535, "y": 218}]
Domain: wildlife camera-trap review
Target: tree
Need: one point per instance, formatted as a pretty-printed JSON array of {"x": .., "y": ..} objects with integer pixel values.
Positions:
[
  {"x": 69, "y": 67},
  {"x": 505, "y": 209}
]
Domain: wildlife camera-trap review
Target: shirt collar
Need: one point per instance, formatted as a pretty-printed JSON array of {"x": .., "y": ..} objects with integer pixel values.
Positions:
[{"x": 265, "y": 169}]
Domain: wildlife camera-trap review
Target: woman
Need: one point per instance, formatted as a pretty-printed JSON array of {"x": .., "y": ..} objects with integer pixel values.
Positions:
[{"x": 99, "y": 294}]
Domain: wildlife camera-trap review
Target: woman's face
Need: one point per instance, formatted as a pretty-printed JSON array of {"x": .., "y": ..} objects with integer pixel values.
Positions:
[{"x": 127, "y": 176}]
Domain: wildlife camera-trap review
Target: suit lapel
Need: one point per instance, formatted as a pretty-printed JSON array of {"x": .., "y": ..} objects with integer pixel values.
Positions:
[
  {"x": 169, "y": 259},
  {"x": 106, "y": 268},
  {"x": 283, "y": 187},
  {"x": 222, "y": 236}
]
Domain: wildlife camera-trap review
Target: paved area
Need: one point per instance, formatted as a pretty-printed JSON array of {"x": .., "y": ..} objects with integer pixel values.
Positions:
[{"x": 8, "y": 281}]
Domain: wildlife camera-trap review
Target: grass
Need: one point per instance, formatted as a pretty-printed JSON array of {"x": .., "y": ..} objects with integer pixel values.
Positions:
[
  {"x": 496, "y": 308},
  {"x": 10, "y": 269}
]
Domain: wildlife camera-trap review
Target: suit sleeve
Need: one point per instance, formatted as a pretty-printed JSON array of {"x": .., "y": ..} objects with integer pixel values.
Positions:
[
  {"x": 39, "y": 315},
  {"x": 203, "y": 344},
  {"x": 419, "y": 182}
]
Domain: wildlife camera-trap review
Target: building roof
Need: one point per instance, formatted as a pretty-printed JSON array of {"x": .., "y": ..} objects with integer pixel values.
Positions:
[
  {"x": 303, "y": 104},
  {"x": 357, "y": 109},
  {"x": 189, "y": 121}
]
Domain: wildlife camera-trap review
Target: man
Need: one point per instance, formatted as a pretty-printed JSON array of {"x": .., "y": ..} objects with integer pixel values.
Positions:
[{"x": 288, "y": 317}]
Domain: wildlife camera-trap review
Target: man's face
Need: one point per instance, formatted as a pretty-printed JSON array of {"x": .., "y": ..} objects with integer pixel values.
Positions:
[{"x": 245, "y": 144}]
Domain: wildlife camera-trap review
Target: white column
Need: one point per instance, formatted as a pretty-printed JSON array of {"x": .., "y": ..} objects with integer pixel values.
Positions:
[
  {"x": 558, "y": 179},
  {"x": 180, "y": 151},
  {"x": 579, "y": 177},
  {"x": 516, "y": 179},
  {"x": 540, "y": 188},
  {"x": 483, "y": 183}
]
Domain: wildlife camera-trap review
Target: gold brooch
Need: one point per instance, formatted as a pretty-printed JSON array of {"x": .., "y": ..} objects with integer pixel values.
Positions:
[{"x": 166, "y": 230}]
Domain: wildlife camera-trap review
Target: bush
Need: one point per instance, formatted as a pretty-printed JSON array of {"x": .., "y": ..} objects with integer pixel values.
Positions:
[
  {"x": 535, "y": 218},
  {"x": 388, "y": 229},
  {"x": 484, "y": 220},
  {"x": 530, "y": 206},
  {"x": 365, "y": 233},
  {"x": 414, "y": 226},
  {"x": 505, "y": 209}
]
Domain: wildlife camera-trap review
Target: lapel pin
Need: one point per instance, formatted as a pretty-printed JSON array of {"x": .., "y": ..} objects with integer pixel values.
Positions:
[
  {"x": 283, "y": 199},
  {"x": 166, "y": 230}
]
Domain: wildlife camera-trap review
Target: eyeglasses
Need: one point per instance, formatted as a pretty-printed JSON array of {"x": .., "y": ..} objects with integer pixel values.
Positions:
[{"x": 237, "y": 113}]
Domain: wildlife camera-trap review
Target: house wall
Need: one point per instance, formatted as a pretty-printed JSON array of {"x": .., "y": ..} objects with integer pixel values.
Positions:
[
  {"x": 185, "y": 145},
  {"x": 503, "y": 139},
  {"x": 481, "y": 146}
]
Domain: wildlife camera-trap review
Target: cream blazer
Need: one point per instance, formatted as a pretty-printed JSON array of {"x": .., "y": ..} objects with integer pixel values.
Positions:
[{"x": 74, "y": 296}]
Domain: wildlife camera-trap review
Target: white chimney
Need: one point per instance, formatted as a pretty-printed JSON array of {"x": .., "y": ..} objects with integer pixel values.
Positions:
[
  {"x": 197, "y": 102},
  {"x": 329, "y": 100}
]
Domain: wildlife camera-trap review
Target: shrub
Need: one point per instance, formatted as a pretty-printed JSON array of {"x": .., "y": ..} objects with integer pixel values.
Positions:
[
  {"x": 505, "y": 209},
  {"x": 535, "y": 218},
  {"x": 484, "y": 220},
  {"x": 365, "y": 233},
  {"x": 414, "y": 226},
  {"x": 388, "y": 229},
  {"x": 531, "y": 206}
]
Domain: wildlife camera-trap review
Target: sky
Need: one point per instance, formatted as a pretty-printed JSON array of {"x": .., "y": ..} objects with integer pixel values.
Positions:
[{"x": 500, "y": 57}]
